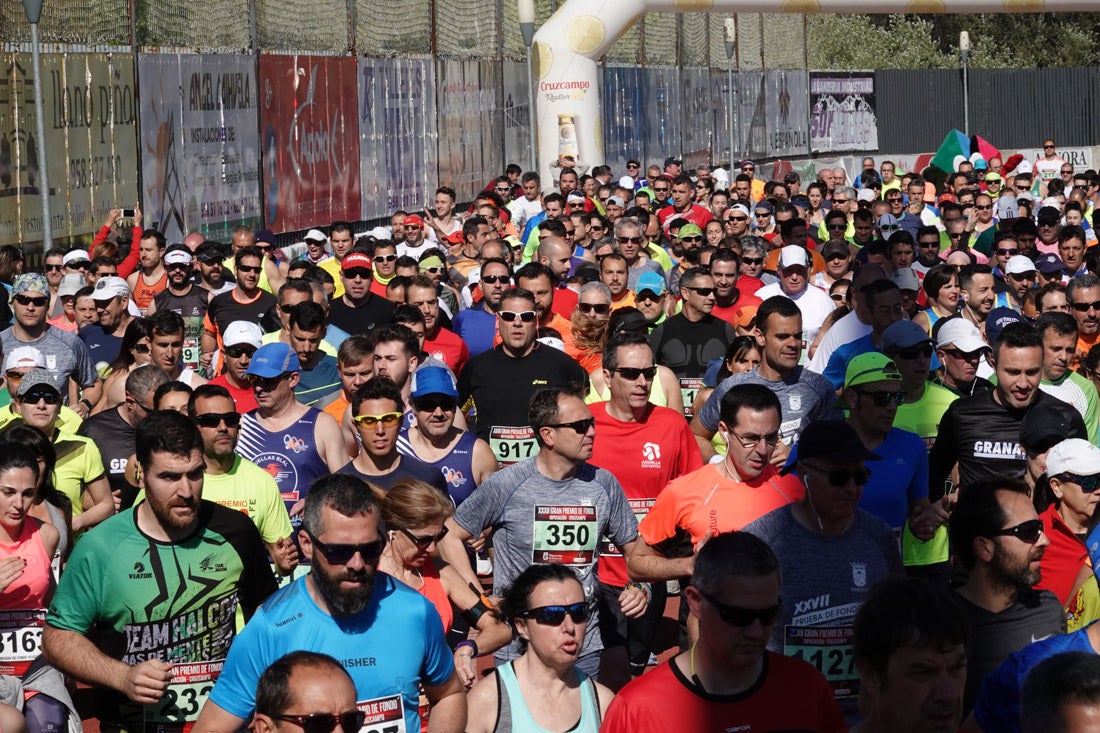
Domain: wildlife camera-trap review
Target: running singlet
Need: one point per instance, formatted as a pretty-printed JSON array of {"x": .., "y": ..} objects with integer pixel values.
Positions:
[
  {"x": 290, "y": 456},
  {"x": 192, "y": 307},
  {"x": 514, "y": 717},
  {"x": 173, "y": 602},
  {"x": 686, "y": 347},
  {"x": 22, "y": 603},
  {"x": 144, "y": 293},
  {"x": 457, "y": 467}
]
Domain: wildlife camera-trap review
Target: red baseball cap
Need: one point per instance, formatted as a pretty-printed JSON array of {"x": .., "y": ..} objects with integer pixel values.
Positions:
[{"x": 355, "y": 259}]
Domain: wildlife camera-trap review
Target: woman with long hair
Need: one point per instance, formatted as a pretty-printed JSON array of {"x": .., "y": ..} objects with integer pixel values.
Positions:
[{"x": 133, "y": 353}]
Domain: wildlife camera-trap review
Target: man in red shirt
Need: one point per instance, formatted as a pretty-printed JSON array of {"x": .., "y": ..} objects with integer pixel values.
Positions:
[
  {"x": 241, "y": 340},
  {"x": 728, "y": 680},
  {"x": 645, "y": 446},
  {"x": 730, "y": 304},
  {"x": 682, "y": 206},
  {"x": 442, "y": 343}
]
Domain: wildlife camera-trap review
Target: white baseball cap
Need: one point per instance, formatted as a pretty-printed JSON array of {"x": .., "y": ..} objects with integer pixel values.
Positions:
[
  {"x": 792, "y": 255},
  {"x": 23, "y": 357},
  {"x": 239, "y": 333},
  {"x": 962, "y": 334},
  {"x": 1019, "y": 264},
  {"x": 1074, "y": 455},
  {"x": 110, "y": 287}
]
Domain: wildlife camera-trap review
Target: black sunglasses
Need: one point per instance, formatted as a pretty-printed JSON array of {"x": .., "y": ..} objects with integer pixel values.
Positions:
[
  {"x": 1028, "y": 531},
  {"x": 34, "y": 397},
  {"x": 701, "y": 291},
  {"x": 357, "y": 272},
  {"x": 248, "y": 268},
  {"x": 425, "y": 541},
  {"x": 752, "y": 261},
  {"x": 742, "y": 617},
  {"x": 342, "y": 554},
  {"x": 580, "y": 427},
  {"x": 494, "y": 279},
  {"x": 841, "y": 477},
  {"x": 883, "y": 397},
  {"x": 1084, "y": 307},
  {"x": 555, "y": 615},
  {"x": 236, "y": 352},
  {"x": 600, "y": 309},
  {"x": 433, "y": 402},
  {"x": 37, "y": 301},
  {"x": 914, "y": 352},
  {"x": 1088, "y": 484},
  {"x": 214, "y": 419},
  {"x": 350, "y": 722},
  {"x": 631, "y": 374}
]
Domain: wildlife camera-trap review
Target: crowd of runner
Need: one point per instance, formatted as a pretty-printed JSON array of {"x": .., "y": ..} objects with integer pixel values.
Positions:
[{"x": 849, "y": 428}]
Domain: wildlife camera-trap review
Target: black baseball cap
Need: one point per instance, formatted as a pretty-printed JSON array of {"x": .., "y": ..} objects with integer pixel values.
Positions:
[
  {"x": 1049, "y": 423},
  {"x": 834, "y": 440}
]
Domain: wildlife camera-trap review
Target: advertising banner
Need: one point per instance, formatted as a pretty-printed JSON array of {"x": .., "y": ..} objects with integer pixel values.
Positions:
[
  {"x": 749, "y": 87},
  {"x": 470, "y": 124},
  {"x": 90, "y": 110},
  {"x": 397, "y": 135},
  {"x": 662, "y": 119},
  {"x": 623, "y": 116},
  {"x": 698, "y": 133},
  {"x": 842, "y": 114},
  {"x": 200, "y": 144},
  {"x": 787, "y": 109},
  {"x": 517, "y": 138},
  {"x": 310, "y": 139}
]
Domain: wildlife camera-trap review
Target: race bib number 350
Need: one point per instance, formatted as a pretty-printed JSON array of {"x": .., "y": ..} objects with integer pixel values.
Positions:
[
  {"x": 565, "y": 534},
  {"x": 512, "y": 444}
]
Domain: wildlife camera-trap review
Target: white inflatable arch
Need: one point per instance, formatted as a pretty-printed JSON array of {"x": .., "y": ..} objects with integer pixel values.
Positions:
[{"x": 566, "y": 48}]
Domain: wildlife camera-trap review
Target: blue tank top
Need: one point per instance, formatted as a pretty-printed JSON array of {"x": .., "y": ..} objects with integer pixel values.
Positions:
[
  {"x": 457, "y": 467},
  {"x": 514, "y": 717},
  {"x": 290, "y": 456}
]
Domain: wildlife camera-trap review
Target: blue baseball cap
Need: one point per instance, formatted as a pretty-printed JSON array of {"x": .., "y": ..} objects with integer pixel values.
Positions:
[
  {"x": 652, "y": 282},
  {"x": 433, "y": 380},
  {"x": 996, "y": 321},
  {"x": 274, "y": 360}
]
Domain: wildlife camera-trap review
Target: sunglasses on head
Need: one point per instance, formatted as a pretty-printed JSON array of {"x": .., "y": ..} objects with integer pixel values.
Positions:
[
  {"x": 248, "y": 268},
  {"x": 600, "y": 309},
  {"x": 510, "y": 316},
  {"x": 350, "y": 722},
  {"x": 214, "y": 419},
  {"x": 555, "y": 615},
  {"x": 388, "y": 419},
  {"x": 580, "y": 427},
  {"x": 841, "y": 477},
  {"x": 631, "y": 374},
  {"x": 1088, "y": 484},
  {"x": 742, "y": 617},
  {"x": 38, "y": 301},
  {"x": 1028, "y": 531},
  {"x": 424, "y": 541},
  {"x": 35, "y": 396},
  {"x": 494, "y": 279},
  {"x": 341, "y": 554},
  {"x": 882, "y": 397}
]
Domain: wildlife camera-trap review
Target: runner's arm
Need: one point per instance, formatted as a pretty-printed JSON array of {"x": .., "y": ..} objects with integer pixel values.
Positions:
[
  {"x": 330, "y": 442},
  {"x": 448, "y": 706},
  {"x": 453, "y": 551},
  {"x": 644, "y": 563},
  {"x": 75, "y": 655},
  {"x": 100, "y": 491},
  {"x": 702, "y": 438},
  {"x": 484, "y": 462},
  {"x": 215, "y": 719}
]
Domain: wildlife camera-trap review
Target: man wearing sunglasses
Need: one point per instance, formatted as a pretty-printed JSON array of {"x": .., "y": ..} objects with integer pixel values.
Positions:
[
  {"x": 241, "y": 340},
  {"x": 552, "y": 508},
  {"x": 185, "y": 298},
  {"x": 831, "y": 553},
  {"x": 377, "y": 409},
  {"x": 64, "y": 353},
  {"x": 238, "y": 484},
  {"x": 982, "y": 432},
  {"x": 18, "y": 364},
  {"x": 729, "y": 679},
  {"x": 386, "y": 636},
  {"x": 295, "y": 443},
  {"x": 245, "y": 302},
  {"x": 682, "y": 205},
  {"x": 1083, "y": 294},
  {"x": 309, "y": 691},
  {"x": 359, "y": 310},
  {"x": 113, "y": 430},
  {"x": 631, "y": 238},
  {"x": 173, "y": 544},
  {"x": 496, "y": 385},
  {"x": 477, "y": 325},
  {"x": 1000, "y": 540},
  {"x": 883, "y": 299}
]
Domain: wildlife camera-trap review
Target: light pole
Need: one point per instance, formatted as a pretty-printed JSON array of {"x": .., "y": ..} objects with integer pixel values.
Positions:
[
  {"x": 735, "y": 131},
  {"x": 527, "y": 30},
  {"x": 964, "y": 50},
  {"x": 33, "y": 9}
]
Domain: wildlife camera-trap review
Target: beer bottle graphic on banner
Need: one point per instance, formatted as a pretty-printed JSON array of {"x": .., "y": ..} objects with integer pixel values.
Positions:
[{"x": 567, "y": 137}]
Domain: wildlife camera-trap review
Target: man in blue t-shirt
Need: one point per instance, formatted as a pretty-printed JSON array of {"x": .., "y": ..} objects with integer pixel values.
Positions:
[{"x": 387, "y": 636}]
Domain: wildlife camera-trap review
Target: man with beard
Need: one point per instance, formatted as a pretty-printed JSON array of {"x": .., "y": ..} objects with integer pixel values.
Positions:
[
  {"x": 686, "y": 246},
  {"x": 978, "y": 295},
  {"x": 185, "y": 298},
  {"x": 386, "y": 635},
  {"x": 730, "y": 304},
  {"x": 161, "y": 584},
  {"x": 232, "y": 481},
  {"x": 210, "y": 257},
  {"x": 477, "y": 325},
  {"x": 999, "y": 539},
  {"x": 463, "y": 459}
]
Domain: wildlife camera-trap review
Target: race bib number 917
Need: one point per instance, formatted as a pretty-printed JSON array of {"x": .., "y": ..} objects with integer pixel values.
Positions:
[
  {"x": 565, "y": 534},
  {"x": 512, "y": 444}
]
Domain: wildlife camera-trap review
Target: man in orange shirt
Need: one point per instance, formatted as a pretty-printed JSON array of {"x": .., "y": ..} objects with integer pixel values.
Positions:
[{"x": 719, "y": 497}]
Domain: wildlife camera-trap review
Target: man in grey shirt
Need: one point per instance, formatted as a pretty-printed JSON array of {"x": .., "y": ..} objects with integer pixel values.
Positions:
[
  {"x": 804, "y": 396},
  {"x": 831, "y": 553},
  {"x": 553, "y": 508}
]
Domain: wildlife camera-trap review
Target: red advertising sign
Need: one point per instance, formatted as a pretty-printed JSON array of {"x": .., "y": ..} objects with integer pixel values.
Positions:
[{"x": 308, "y": 121}]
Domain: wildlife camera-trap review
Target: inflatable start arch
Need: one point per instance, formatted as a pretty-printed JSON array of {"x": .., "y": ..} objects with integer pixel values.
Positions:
[{"x": 566, "y": 47}]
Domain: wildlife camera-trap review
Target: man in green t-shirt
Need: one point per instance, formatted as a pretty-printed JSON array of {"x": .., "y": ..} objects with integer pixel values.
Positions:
[{"x": 147, "y": 606}]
